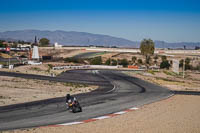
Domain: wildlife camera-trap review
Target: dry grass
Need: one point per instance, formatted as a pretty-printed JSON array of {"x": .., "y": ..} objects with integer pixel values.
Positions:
[
  {"x": 19, "y": 90},
  {"x": 173, "y": 82},
  {"x": 42, "y": 69}
]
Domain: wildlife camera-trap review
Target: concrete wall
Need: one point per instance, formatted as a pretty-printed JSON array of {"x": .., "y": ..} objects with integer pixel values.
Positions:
[{"x": 86, "y": 67}]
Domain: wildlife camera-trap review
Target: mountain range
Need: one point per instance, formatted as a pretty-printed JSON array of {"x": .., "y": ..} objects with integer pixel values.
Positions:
[{"x": 73, "y": 38}]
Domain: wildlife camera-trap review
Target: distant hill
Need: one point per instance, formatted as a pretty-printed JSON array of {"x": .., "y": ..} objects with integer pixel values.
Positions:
[
  {"x": 189, "y": 45},
  {"x": 69, "y": 38}
]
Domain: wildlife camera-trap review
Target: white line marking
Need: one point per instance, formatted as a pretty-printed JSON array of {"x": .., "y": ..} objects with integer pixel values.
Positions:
[
  {"x": 134, "y": 108},
  {"x": 102, "y": 117},
  {"x": 112, "y": 89},
  {"x": 97, "y": 71},
  {"x": 71, "y": 123},
  {"x": 120, "y": 113},
  {"x": 170, "y": 95}
]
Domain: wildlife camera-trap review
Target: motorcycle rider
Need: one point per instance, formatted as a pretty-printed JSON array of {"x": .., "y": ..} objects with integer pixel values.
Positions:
[{"x": 70, "y": 99}]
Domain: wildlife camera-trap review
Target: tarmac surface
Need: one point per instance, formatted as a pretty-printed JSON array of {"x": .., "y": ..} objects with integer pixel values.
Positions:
[
  {"x": 116, "y": 92},
  {"x": 87, "y": 55}
]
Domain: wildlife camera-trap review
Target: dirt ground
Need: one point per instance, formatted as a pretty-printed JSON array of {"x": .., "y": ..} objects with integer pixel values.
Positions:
[
  {"x": 42, "y": 69},
  {"x": 61, "y": 52},
  {"x": 179, "y": 113},
  {"x": 166, "y": 78},
  {"x": 18, "y": 90}
]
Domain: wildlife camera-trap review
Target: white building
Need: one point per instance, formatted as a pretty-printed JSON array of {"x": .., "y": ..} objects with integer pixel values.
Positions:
[
  {"x": 24, "y": 45},
  {"x": 35, "y": 55},
  {"x": 56, "y": 45}
]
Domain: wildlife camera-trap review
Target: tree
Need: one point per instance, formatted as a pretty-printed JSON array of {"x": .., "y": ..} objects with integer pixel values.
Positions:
[
  {"x": 108, "y": 62},
  {"x": 164, "y": 58},
  {"x": 20, "y": 42},
  {"x": 1, "y": 43},
  {"x": 14, "y": 45},
  {"x": 155, "y": 59},
  {"x": 134, "y": 58},
  {"x": 187, "y": 63},
  {"x": 164, "y": 64},
  {"x": 123, "y": 62},
  {"x": 96, "y": 61},
  {"x": 44, "y": 42},
  {"x": 197, "y": 47},
  {"x": 197, "y": 67},
  {"x": 140, "y": 61},
  {"x": 181, "y": 63},
  {"x": 148, "y": 59},
  {"x": 147, "y": 49},
  {"x": 113, "y": 62}
]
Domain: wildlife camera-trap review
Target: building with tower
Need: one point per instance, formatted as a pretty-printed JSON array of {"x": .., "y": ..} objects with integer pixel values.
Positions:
[{"x": 35, "y": 58}]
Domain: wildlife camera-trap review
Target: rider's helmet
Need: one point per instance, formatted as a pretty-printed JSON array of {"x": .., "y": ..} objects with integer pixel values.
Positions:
[{"x": 68, "y": 96}]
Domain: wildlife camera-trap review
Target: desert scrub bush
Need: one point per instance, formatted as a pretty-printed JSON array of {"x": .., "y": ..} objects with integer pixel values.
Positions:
[
  {"x": 67, "y": 84},
  {"x": 164, "y": 64},
  {"x": 50, "y": 66},
  {"x": 170, "y": 73},
  {"x": 151, "y": 72},
  {"x": 123, "y": 62},
  {"x": 2, "y": 97},
  {"x": 36, "y": 69},
  {"x": 96, "y": 61},
  {"x": 84, "y": 85},
  {"x": 73, "y": 60},
  {"x": 169, "y": 80},
  {"x": 75, "y": 85}
]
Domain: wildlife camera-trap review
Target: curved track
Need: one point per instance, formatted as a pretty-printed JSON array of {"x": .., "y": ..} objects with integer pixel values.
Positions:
[
  {"x": 117, "y": 92},
  {"x": 87, "y": 55}
]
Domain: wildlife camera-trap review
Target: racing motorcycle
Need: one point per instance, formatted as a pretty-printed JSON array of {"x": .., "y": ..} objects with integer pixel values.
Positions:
[{"x": 74, "y": 106}]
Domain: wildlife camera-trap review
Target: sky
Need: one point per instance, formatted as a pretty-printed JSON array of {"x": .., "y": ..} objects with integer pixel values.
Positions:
[{"x": 166, "y": 20}]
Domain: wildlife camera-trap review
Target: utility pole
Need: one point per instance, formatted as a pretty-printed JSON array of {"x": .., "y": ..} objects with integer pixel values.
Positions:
[
  {"x": 8, "y": 52},
  {"x": 184, "y": 62},
  {"x": 9, "y": 61}
]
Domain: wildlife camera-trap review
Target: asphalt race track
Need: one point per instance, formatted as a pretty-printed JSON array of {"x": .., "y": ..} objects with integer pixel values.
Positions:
[
  {"x": 116, "y": 92},
  {"x": 87, "y": 55}
]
